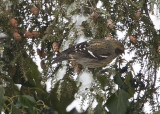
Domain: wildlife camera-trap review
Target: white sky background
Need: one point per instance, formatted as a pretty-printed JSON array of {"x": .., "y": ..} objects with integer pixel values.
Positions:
[{"x": 86, "y": 77}]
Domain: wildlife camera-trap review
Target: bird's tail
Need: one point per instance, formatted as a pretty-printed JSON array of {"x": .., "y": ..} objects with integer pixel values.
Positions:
[{"x": 60, "y": 58}]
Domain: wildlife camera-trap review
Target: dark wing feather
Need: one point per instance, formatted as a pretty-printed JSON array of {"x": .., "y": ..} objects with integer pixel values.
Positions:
[
  {"x": 77, "y": 48},
  {"x": 100, "y": 49},
  {"x": 64, "y": 55},
  {"x": 94, "y": 49}
]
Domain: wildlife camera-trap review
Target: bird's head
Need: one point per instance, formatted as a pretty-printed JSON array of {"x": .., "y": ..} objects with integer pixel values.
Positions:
[{"x": 119, "y": 47}]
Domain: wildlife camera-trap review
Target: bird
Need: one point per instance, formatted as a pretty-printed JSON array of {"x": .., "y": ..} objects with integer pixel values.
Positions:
[{"x": 92, "y": 54}]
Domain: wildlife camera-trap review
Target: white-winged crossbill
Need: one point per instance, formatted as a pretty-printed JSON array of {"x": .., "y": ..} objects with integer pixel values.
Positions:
[{"x": 92, "y": 54}]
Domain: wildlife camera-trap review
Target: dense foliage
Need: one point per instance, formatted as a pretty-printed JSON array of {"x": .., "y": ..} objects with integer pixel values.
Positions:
[{"x": 32, "y": 26}]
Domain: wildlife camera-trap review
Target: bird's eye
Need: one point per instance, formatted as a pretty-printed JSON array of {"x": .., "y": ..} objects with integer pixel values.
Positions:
[{"x": 118, "y": 51}]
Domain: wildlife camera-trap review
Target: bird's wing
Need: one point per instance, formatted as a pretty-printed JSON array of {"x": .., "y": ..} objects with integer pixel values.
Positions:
[
  {"x": 72, "y": 52},
  {"x": 81, "y": 47},
  {"x": 99, "y": 48},
  {"x": 95, "y": 49}
]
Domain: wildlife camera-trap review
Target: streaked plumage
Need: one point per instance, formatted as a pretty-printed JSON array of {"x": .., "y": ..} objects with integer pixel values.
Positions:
[{"x": 92, "y": 54}]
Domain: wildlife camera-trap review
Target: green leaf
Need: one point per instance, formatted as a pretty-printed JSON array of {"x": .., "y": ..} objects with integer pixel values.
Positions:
[
  {"x": 128, "y": 80},
  {"x": 118, "y": 80},
  {"x": 102, "y": 80},
  {"x": 1, "y": 97},
  {"x": 14, "y": 110},
  {"x": 118, "y": 102},
  {"x": 26, "y": 101},
  {"x": 99, "y": 109}
]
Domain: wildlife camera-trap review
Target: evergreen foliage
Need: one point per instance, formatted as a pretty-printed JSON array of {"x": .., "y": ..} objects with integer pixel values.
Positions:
[{"x": 31, "y": 27}]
